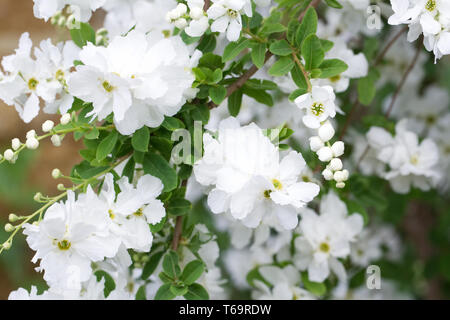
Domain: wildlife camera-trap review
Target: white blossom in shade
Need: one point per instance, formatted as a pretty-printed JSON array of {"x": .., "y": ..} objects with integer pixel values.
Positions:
[
  {"x": 227, "y": 16},
  {"x": 248, "y": 179},
  {"x": 428, "y": 17},
  {"x": 285, "y": 282},
  {"x": 318, "y": 105},
  {"x": 140, "y": 77},
  {"x": 410, "y": 163},
  {"x": 81, "y": 9},
  {"x": 325, "y": 238},
  {"x": 133, "y": 209},
  {"x": 200, "y": 22},
  {"x": 71, "y": 236}
]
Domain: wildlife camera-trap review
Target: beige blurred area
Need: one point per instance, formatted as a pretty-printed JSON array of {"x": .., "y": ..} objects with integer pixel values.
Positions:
[{"x": 16, "y": 17}]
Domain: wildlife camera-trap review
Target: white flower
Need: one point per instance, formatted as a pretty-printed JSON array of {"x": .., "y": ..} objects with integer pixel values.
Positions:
[
  {"x": 325, "y": 238},
  {"x": 82, "y": 9},
  {"x": 133, "y": 209},
  {"x": 318, "y": 104},
  {"x": 286, "y": 284},
  {"x": 227, "y": 16},
  {"x": 141, "y": 78},
  {"x": 71, "y": 236}
]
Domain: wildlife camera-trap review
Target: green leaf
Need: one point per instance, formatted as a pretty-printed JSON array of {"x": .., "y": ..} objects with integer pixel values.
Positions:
[
  {"x": 196, "y": 292},
  {"x": 355, "y": 207},
  {"x": 140, "y": 139},
  {"x": 235, "y": 102},
  {"x": 128, "y": 170},
  {"x": 157, "y": 166},
  {"x": 299, "y": 78},
  {"x": 280, "y": 48},
  {"x": 82, "y": 35},
  {"x": 312, "y": 52},
  {"x": 140, "y": 294},
  {"x": 106, "y": 146},
  {"x": 178, "y": 207},
  {"x": 367, "y": 88},
  {"x": 307, "y": 27},
  {"x": 192, "y": 272},
  {"x": 297, "y": 93},
  {"x": 172, "y": 124},
  {"x": 292, "y": 30},
  {"x": 326, "y": 44},
  {"x": 170, "y": 264},
  {"x": 234, "y": 48},
  {"x": 178, "y": 290},
  {"x": 281, "y": 67},
  {"x": 332, "y": 67},
  {"x": 217, "y": 94},
  {"x": 151, "y": 265},
  {"x": 207, "y": 43},
  {"x": 333, "y": 4},
  {"x": 164, "y": 293},
  {"x": 258, "y": 54},
  {"x": 270, "y": 28},
  {"x": 316, "y": 288},
  {"x": 259, "y": 95},
  {"x": 110, "y": 285}
]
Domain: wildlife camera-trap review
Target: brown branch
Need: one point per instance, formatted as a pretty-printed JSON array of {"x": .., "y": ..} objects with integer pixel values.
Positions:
[
  {"x": 381, "y": 55},
  {"x": 313, "y": 3},
  {"x": 206, "y": 5},
  {"x": 177, "y": 233}
]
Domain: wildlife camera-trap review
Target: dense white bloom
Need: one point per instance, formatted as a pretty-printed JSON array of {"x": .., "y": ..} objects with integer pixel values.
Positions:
[
  {"x": 139, "y": 77},
  {"x": 318, "y": 105},
  {"x": 133, "y": 209},
  {"x": 227, "y": 16},
  {"x": 286, "y": 284},
  {"x": 71, "y": 236},
  {"x": 325, "y": 238},
  {"x": 81, "y": 9},
  {"x": 410, "y": 162},
  {"x": 249, "y": 180}
]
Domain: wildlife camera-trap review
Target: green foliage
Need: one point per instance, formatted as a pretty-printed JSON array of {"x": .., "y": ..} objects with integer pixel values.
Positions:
[{"x": 81, "y": 36}]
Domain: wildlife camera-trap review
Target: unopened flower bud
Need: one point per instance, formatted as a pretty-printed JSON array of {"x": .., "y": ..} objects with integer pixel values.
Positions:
[
  {"x": 346, "y": 174},
  {"x": 15, "y": 143},
  {"x": 327, "y": 174},
  {"x": 181, "y": 23},
  {"x": 315, "y": 143},
  {"x": 56, "y": 173},
  {"x": 60, "y": 187},
  {"x": 325, "y": 154},
  {"x": 6, "y": 245},
  {"x": 340, "y": 185},
  {"x": 196, "y": 13},
  {"x": 338, "y": 148},
  {"x": 56, "y": 140},
  {"x": 48, "y": 125},
  {"x": 31, "y": 134},
  {"x": 65, "y": 118},
  {"x": 326, "y": 131},
  {"x": 37, "y": 197},
  {"x": 9, "y": 227},
  {"x": 32, "y": 143},
  {"x": 12, "y": 217},
  {"x": 181, "y": 9},
  {"x": 336, "y": 164},
  {"x": 339, "y": 176},
  {"x": 9, "y": 155}
]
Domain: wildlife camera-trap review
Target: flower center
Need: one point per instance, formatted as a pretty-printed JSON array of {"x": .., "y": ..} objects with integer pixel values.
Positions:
[
  {"x": 317, "y": 109},
  {"x": 277, "y": 184},
  {"x": 111, "y": 214},
  {"x": 64, "y": 245},
  {"x": 324, "y": 247},
  {"x": 232, "y": 13},
  {"x": 59, "y": 75},
  {"x": 267, "y": 193},
  {"x": 414, "y": 160},
  {"x": 335, "y": 78},
  {"x": 431, "y": 119},
  {"x": 32, "y": 83},
  {"x": 107, "y": 86},
  {"x": 430, "y": 5},
  {"x": 138, "y": 213}
]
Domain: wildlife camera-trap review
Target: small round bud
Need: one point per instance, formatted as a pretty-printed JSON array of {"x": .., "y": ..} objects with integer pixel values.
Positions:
[
  {"x": 56, "y": 173},
  {"x": 31, "y": 134},
  {"x": 9, "y": 227},
  {"x": 65, "y": 118},
  {"x": 15, "y": 143},
  {"x": 71, "y": 22},
  {"x": 181, "y": 23},
  {"x": 346, "y": 174},
  {"x": 340, "y": 185},
  {"x": 12, "y": 217},
  {"x": 56, "y": 140},
  {"x": 60, "y": 187},
  {"x": 9, "y": 155},
  {"x": 315, "y": 143},
  {"x": 181, "y": 9},
  {"x": 37, "y": 197},
  {"x": 196, "y": 13},
  {"x": 336, "y": 164},
  {"x": 32, "y": 143},
  {"x": 339, "y": 176},
  {"x": 325, "y": 154},
  {"x": 6, "y": 245},
  {"x": 327, "y": 174},
  {"x": 326, "y": 131},
  {"x": 338, "y": 148},
  {"x": 48, "y": 125}
]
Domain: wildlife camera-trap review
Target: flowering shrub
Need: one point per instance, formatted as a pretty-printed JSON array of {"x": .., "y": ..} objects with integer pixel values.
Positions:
[{"x": 227, "y": 149}]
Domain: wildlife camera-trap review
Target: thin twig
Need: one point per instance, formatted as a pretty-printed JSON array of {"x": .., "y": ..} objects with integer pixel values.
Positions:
[
  {"x": 206, "y": 5},
  {"x": 314, "y": 4},
  {"x": 177, "y": 233},
  {"x": 381, "y": 55}
]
